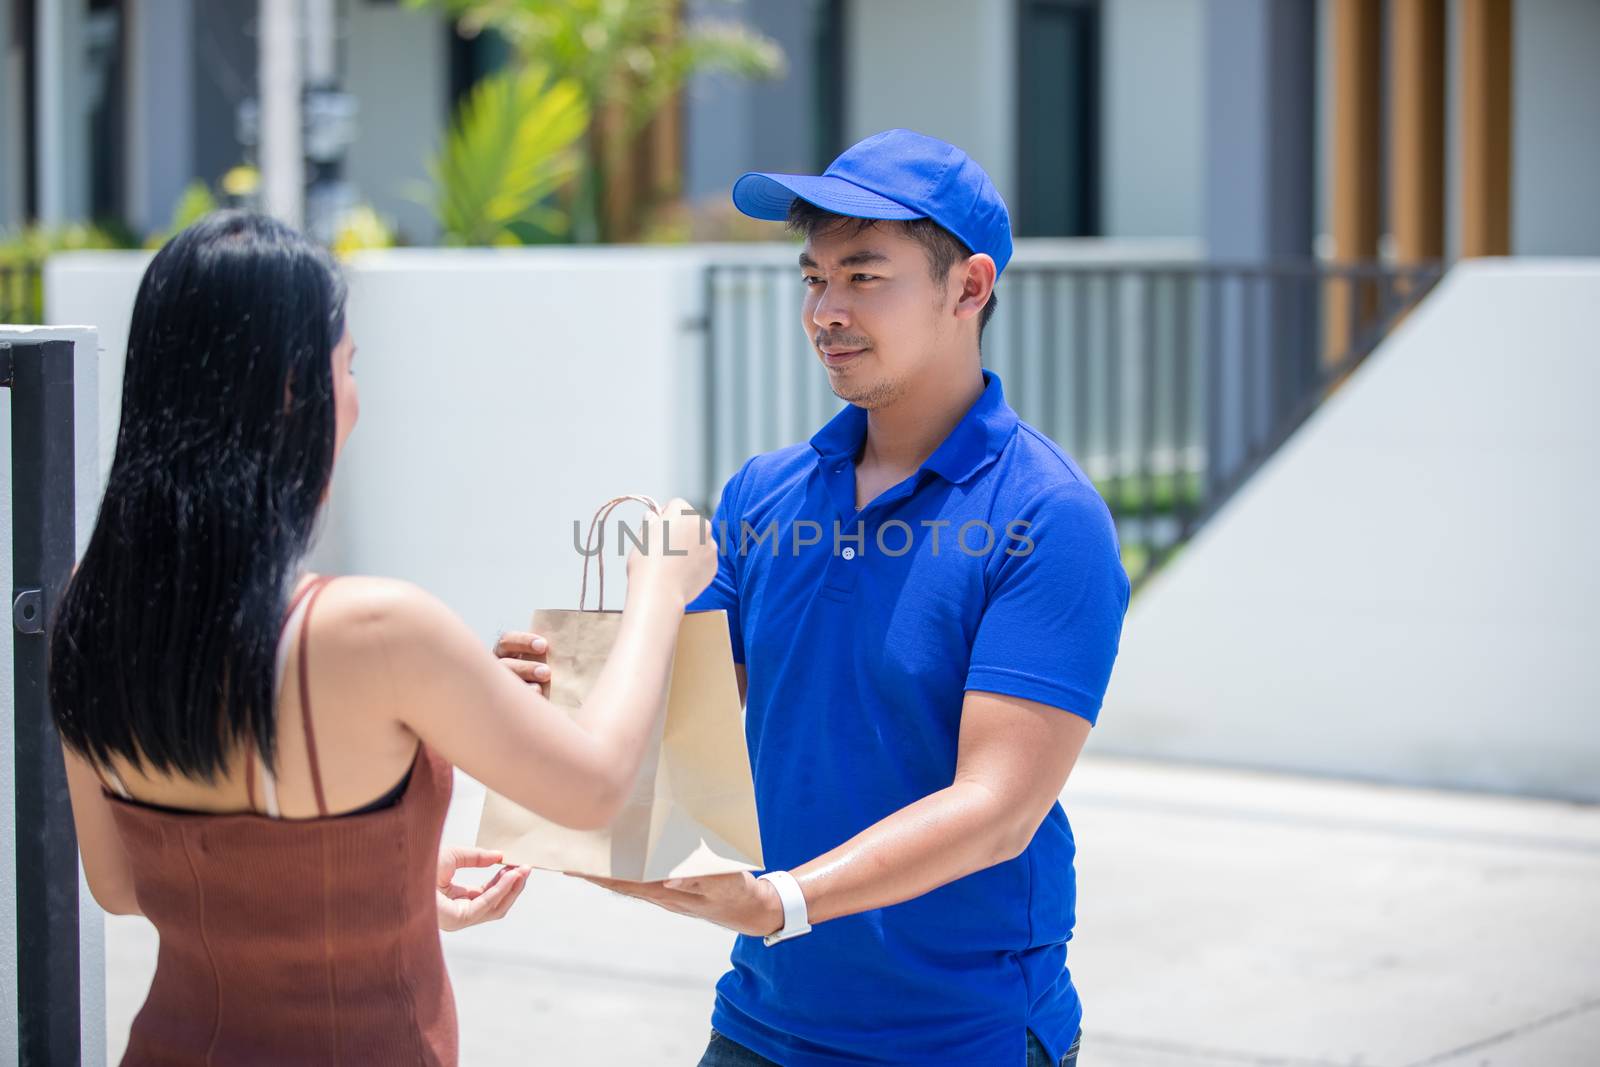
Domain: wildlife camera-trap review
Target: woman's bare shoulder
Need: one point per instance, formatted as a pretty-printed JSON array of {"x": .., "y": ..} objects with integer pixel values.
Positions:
[
  {"x": 369, "y": 594},
  {"x": 359, "y": 609}
]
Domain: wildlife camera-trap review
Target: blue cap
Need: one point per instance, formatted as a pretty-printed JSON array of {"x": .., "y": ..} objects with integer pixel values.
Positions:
[{"x": 897, "y": 174}]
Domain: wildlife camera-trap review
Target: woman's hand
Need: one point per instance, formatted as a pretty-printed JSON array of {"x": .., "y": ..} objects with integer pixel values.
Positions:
[
  {"x": 523, "y": 654},
  {"x": 462, "y": 906},
  {"x": 678, "y": 550}
]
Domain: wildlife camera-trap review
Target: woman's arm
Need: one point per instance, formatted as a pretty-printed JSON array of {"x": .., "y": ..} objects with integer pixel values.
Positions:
[
  {"x": 448, "y": 689},
  {"x": 105, "y": 863},
  {"x": 453, "y": 694}
]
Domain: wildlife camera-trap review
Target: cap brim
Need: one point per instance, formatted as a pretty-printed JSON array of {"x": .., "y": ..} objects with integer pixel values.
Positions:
[{"x": 768, "y": 196}]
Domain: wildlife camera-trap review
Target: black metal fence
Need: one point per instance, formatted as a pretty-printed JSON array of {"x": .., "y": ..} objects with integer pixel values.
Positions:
[
  {"x": 21, "y": 294},
  {"x": 39, "y": 375},
  {"x": 1169, "y": 383}
]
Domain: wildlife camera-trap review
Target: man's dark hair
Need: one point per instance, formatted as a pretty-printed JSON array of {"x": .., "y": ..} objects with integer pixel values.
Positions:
[{"x": 943, "y": 247}]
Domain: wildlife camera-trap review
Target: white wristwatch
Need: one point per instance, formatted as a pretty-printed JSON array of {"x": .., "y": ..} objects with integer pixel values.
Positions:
[{"x": 795, "y": 919}]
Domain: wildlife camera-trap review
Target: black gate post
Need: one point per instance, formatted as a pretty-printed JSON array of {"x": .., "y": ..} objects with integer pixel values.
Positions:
[{"x": 40, "y": 376}]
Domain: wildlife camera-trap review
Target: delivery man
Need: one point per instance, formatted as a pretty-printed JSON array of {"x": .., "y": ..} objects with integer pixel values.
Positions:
[{"x": 925, "y": 601}]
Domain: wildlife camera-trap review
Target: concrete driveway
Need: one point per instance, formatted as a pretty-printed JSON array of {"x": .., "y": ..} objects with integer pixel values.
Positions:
[{"x": 1224, "y": 918}]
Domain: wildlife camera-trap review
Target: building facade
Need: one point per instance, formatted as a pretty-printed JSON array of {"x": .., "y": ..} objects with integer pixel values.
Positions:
[{"x": 1095, "y": 117}]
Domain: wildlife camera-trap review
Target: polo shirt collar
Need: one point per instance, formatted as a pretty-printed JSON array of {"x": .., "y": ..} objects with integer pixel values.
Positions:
[{"x": 976, "y": 440}]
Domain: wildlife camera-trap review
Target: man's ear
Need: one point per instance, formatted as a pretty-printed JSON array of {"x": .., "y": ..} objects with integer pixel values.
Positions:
[{"x": 977, "y": 276}]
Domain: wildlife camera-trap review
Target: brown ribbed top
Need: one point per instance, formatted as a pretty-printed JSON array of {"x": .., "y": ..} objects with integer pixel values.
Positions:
[{"x": 295, "y": 941}]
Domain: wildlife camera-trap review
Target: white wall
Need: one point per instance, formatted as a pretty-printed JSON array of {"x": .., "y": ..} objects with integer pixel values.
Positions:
[
  {"x": 91, "y": 921},
  {"x": 1406, "y": 591},
  {"x": 944, "y": 69},
  {"x": 397, "y": 64},
  {"x": 98, "y": 288},
  {"x": 504, "y": 394},
  {"x": 1153, "y": 93}
]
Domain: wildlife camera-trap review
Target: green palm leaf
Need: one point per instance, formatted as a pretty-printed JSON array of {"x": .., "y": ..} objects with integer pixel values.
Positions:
[{"x": 513, "y": 143}]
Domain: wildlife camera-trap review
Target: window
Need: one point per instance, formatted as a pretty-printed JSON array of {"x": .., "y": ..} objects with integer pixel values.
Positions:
[{"x": 1058, "y": 118}]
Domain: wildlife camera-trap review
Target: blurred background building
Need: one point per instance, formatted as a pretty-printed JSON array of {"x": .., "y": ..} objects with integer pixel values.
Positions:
[{"x": 1095, "y": 117}]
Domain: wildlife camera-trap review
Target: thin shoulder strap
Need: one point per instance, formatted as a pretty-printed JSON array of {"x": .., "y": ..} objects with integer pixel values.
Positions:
[
  {"x": 305, "y": 695},
  {"x": 250, "y": 756}
]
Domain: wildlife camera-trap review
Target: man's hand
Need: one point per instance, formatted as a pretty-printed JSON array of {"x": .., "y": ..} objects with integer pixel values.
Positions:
[
  {"x": 462, "y": 906},
  {"x": 739, "y": 901},
  {"x": 1013, "y": 760},
  {"x": 523, "y": 654}
]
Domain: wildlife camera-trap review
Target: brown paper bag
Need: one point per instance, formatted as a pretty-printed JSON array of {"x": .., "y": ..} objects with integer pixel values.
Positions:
[{"x": 693, "y": 809}]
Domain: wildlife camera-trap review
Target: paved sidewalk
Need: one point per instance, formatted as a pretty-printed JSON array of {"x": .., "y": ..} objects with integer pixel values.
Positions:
[{"x": 1224, "y": 918}]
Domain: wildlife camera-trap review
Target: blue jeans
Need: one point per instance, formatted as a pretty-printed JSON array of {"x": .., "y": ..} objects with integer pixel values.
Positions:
[{"x": 725, "y": 1052}]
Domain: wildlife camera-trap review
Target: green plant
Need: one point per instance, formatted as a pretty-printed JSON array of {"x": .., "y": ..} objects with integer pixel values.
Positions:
[
  {"x": 359, "y": 229},
  {"x": 512, "y": 144},
  {"x": 1158, "y": 493},
  {"x": 628, "y": 58},
  {"x": 22, "y": 255}
]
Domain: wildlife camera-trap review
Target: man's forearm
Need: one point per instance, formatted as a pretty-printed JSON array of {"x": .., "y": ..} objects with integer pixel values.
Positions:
[{"x": 944, "y": 836}]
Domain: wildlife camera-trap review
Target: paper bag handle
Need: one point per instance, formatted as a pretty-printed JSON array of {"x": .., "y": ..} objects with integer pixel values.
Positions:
[{"x": 590, "y": 551}]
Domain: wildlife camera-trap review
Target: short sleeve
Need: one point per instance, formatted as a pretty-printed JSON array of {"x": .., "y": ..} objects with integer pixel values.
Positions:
[
  {"x": 1057, "y": 594},
  {"x": 723, "y": 592}
]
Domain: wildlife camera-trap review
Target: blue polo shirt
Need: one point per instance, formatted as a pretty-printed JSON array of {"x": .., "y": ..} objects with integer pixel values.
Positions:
[{"x": 994, "y": 567}]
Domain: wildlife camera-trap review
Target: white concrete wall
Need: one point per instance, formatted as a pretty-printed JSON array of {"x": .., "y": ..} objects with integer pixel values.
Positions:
[
  {"x": 87, "y": 489},
  {"x": 504, "y": 394},
  {"x": 98, "y": 288},
  {"x": 503, "y": 397},
  {"x": 1406, "y": 591}
]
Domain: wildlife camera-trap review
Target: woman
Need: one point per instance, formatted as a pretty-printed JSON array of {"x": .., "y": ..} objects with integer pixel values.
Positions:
[{"x": 260, "y": 759}]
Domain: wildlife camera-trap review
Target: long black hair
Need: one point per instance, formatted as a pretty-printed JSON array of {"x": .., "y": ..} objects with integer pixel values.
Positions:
[{"x": 163, "y": 650}]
